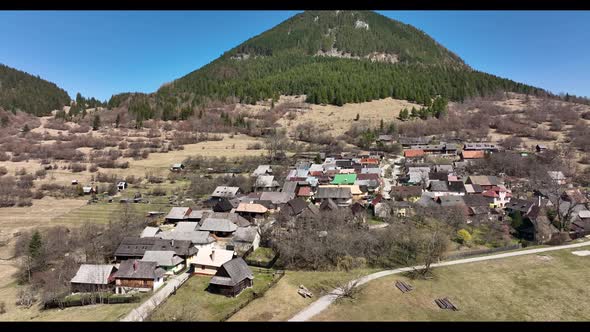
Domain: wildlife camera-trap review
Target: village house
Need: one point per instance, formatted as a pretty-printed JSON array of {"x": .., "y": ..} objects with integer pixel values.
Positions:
[
  {"x": 166, "y": 260},
  {"x": 406, "y": 193},
  {"x": 469, "y": 155},
  {"x": 557, "y": 176},
  {"x": 488, "y": 147},
  {"x": 135, "y": 275},
  {"x": 344, "y": 179},
  {"x": 415, "y": 154},
  {"x": 182, "y": 248},
  {"x": 262, "y": 170},
  {"x": 221, "y": 227},
  {"x": 177, "y": 214},
  {"x": 342, "y": 196},
  {"x": 409, "y": 141},
  {"x": 225, "y": 205},
  {"x": 88, "y": 190},
  {"x": 251, "y": 211},
  {"x": 208, "y": 260},
  {"x": 486, "y": 182},
  {"x": 297, "y": 207},
  {"x": 244, "y": 241},
  {"x": 500, "y": 195},
  {"x": 189, "y": 231},
  {"x": 232, "y": 278},
  {"x": 122, "y": 185},
  {"x": 133, "y": 247},
  {"x": 94, "y": 278},
  {"x": 266, "y": 183},
  {"x": 149, "y": 231},
  {"x": 177, "y": 167},
  {"x": 540, "y": 147},
  {"x": 518, "y": 205},
  {"x": 224, "y": 192}
]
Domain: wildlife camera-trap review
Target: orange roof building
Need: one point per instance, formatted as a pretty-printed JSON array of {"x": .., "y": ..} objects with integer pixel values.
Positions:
[
  {"x": 413, "y": 153},
  {"x": 477, "y": 154},
  {"x": 370, "y": 161}
]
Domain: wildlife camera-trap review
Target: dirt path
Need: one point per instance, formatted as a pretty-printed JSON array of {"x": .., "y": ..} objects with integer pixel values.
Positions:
[
  {"x": 323, "y": 302},
  {"x": 143, "y": 311}
]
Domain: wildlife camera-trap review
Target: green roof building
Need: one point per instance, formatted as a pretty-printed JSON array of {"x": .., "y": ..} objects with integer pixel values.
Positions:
[{"x": 344, "y": 179}]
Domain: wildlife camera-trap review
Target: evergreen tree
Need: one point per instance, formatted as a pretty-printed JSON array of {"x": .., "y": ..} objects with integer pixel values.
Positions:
[
  {"x": 26, "y": 128},
  {"x": 357, "y": 117},
  {"x": 35, "y": 248},
  {"x": 404, "y": 114},
  {"x": 96, "y": 122},
  {"x": 118, "y": 120}
]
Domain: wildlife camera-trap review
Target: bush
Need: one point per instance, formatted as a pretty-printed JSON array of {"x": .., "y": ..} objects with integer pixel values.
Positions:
[
  {"x": 24, "y": 202},
  {"x": 77, "y": 167},
  {"x": 464, "y": 236},
  {"x": 158, "y": 191},
  {"x": 4, "y": 156},
  {"x": 41, "y": 173},
  {"x": 2, "y": 308},
  {"x": 25, "y": 181},
  {"x": 92, "y": 168},
  {"x": 3, "y": 171},
  {"x": 38, "y": 194}
]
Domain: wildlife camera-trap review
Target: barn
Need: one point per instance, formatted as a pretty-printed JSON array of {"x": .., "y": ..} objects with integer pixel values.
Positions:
[{"x": 232, "y": 278}]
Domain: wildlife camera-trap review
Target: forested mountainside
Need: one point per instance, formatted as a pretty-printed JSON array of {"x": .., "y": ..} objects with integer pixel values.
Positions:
[
  {"x": 28, "y": 93},
  {"x": 333, "y": 57}
]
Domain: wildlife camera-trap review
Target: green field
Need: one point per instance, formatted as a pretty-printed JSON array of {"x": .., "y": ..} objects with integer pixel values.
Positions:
[
  {"x": 101, "y": 213},
  {"x": 550, "y": 286},
  {"x": 193, "y": 303}
]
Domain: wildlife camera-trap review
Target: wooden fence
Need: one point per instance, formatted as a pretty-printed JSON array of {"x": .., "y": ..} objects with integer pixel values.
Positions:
[{"x": 254, "y": 296}]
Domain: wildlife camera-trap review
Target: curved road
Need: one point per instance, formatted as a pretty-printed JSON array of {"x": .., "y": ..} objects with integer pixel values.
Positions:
[{"x": 324, "y": 301}]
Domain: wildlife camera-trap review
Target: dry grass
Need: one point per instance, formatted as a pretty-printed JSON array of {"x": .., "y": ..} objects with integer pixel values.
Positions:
[
  {"x": 282, "y": 301},
  {"x": 338, "y": 119},
  {"x": 529, "y": 288}
]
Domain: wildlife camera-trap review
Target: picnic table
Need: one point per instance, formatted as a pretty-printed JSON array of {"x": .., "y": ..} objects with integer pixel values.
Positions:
[
  {"x": 402, "y": 286},
  {"x": 445, "y": 303}
]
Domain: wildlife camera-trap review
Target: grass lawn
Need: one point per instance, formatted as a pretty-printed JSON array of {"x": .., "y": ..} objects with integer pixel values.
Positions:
[
  {"x": 375, "y": 222},
  {"x": 101, "y": 213},
  {"x": 281, "y": 302},
  {"x": 261, "y": 254},
  {"x": 550, "y": 286},
  {"x": 193, "y": 303}
]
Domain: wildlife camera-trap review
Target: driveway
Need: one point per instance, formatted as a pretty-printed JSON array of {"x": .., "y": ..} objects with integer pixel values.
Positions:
[
  {"x": 140, "y": 313},
  {"x": 324, "y": 301}
]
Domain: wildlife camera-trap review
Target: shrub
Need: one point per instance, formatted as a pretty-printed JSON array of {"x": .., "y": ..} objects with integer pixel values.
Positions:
[
  {"x": 92, "y": 168},
  {"x": 77, "y": 167},
  {"x": 25, "y": 181},
  {"x": 38, "y": 194},
  {"x": 464, "y": 236},
  {"x": 4, "y": 156},
  {"x": 158, "y": 191},
  {"x": 2, "y": 308},
  {"x": 24, "y": 202},
  {"x": 3, "y": 171},
  {"x": 41, "y": 173}
]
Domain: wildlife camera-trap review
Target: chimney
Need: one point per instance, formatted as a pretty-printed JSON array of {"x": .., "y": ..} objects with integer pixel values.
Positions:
[
  {"x": 172, "y": 243},
  {"x": 135, "y": 265},
  {"x": 539, "y": 201},
  {"x": 212, "y": 254}
]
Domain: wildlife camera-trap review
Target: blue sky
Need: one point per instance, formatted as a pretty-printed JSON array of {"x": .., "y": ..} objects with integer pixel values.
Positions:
[{"x": 107, "y": 52}]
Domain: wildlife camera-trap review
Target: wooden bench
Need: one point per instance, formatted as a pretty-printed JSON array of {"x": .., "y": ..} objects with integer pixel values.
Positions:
[
  {"x": 403, "y": 287},
  {"x": 445, "y": 303}
]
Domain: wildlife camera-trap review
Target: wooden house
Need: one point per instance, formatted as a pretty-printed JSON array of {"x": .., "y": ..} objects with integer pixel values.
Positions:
[
  {"x": 135, "y": 275},
  {"x": 232, "y": 278},
  {"x": 94, "y": 278}
]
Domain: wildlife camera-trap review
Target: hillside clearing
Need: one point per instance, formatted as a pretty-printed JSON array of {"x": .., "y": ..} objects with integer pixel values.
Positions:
[
  {"x": 282, "y": 301},
  {"x": 531, "y": 287}
]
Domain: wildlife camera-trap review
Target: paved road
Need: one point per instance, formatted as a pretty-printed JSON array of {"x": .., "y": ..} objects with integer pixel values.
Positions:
[
  {"x": 140, "y": 313},
  {"x": 323, "y": 302}
]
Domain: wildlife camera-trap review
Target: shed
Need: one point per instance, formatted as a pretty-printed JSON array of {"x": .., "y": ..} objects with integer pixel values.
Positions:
[{"x": 232, "y": 278}]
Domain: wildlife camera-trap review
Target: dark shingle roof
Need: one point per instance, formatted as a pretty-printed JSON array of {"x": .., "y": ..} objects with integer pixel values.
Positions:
[
  {"x": 180, "y": 247},
  {"x": 438, "y": 186},
  {"x": 134, "y": 246},
  {"x": 232, "y": 272},
  {"x": 135, "y": 269},
  {"x": 333, "y": 192}
]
